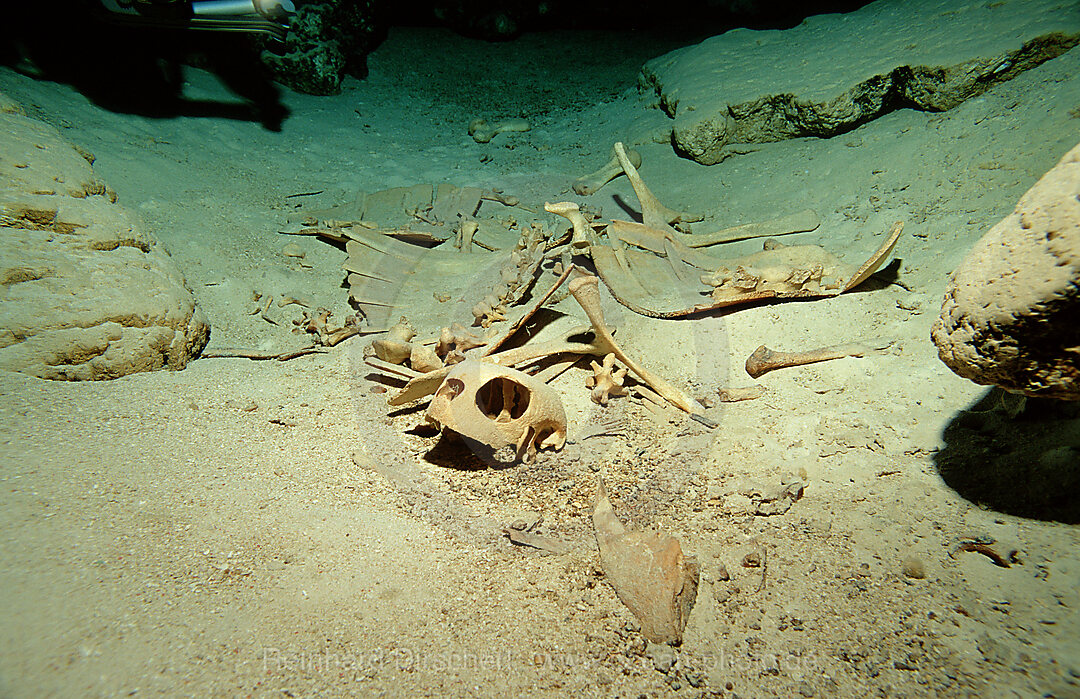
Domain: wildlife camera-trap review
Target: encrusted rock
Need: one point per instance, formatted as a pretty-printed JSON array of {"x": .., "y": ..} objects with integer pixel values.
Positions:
[
  {"x": 841, "y": 70},
  {"x": 84, "y": 292},
  {"x": 327, "y": 40},
  {"x": 1011, "y": 315}
]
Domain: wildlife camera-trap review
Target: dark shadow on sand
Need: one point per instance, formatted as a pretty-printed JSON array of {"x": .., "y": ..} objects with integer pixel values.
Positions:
[
  {"x": 1015, "y": 456},
  {"x": 134, "y": 69}
]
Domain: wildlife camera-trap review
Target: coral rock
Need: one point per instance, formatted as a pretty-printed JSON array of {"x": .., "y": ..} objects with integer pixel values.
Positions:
[{"x": 1011, "y": 315}]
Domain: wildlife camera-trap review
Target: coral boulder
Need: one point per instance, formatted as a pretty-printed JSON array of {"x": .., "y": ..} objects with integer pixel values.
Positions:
[{"x": 1011, "y": 315}]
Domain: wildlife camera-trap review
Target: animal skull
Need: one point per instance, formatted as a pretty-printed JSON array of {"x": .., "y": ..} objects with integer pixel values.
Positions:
[{"x": 499, "y": 407}]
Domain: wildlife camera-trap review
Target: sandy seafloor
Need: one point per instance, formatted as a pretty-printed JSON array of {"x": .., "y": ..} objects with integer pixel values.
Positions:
[{"x": 208, "y": 533}]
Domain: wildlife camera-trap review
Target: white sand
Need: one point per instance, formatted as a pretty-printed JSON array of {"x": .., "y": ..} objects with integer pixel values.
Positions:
[{"x": 162, "y": 534}]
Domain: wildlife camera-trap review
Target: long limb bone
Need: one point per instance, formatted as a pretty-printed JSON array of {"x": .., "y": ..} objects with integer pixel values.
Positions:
[
  {"x": 482, "y": 131},
  {"x": 260, "y": 354},
  {"x": 653, "y": 213},
  {"x": 529, "y": 353},
  {"x": 586, "y": 291},
  {"x": 591, "y": 183},
  {"x": 764, "y": 360}
]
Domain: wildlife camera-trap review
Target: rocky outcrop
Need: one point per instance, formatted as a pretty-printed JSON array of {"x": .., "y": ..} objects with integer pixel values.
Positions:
[
  {"x": 1011, "y": 315},
  {"x": 834, "y": 72},
  {"x": 84, "y": 292},
  {"x": 327, "y": 40}
]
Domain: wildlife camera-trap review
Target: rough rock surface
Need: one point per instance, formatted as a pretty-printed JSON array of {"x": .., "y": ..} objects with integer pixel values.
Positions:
[
  {"x": 327, "y": 39},
  {"x": 841, "y": 70},
  {"x": 84, "y": 294},
  {"x": 1011, "y": 315}
]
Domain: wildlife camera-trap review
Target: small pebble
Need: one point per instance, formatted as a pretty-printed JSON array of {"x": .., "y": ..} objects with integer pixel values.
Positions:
[
  {"x": 913, "y": 567},
  {"x": 292, "y": 250},
  {"x": 662, "y": 655}
]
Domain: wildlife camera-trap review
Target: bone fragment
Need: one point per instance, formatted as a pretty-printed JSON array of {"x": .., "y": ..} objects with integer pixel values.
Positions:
[
  {"x": 482, "y": 131},
  {"x": 489, "y": 310},
  {"x": 504, "y": 199},
  {"x": 286, "y": 300},
  {"x": 734, "y": 395},
  {"x": 393, "y": 369},
  {"x": 392, "y": 352},
  {"x": 315, "y": 323},
  {"x": 293, "y": 250},
  {"x": 591, "y": 183},
  {"x": 606, "y": 381},
  {"x": 647, "y": 394},
  {"x": 465, "y": 235},
  {"x": 544, "y": 543},
  {"x": 649, "y": 572},
  {"x": 586, "y": 290},
  {"x": 572, "y": 212},
  {"x": 264, "y": 308},
  {"x": 653, "y": 213},
  {"x": 395, "y": 347},
  {"x": 557, "y": 368},
  {"x": 764, "y": 360},
  {"x": 335, "y": 337},
  {"x": 423, "y": 358},
  {"x": 457, "y": 337},
  {"x": 421, "y": 386}
]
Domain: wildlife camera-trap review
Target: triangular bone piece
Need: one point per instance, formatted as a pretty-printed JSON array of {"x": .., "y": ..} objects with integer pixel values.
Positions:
[{"x": 649, "y": 573}]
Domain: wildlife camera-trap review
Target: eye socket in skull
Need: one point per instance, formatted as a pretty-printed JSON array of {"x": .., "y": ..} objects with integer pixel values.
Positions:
[
  {"x": 454, "y": 387},
  {"x": 502, "y": 399}
]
